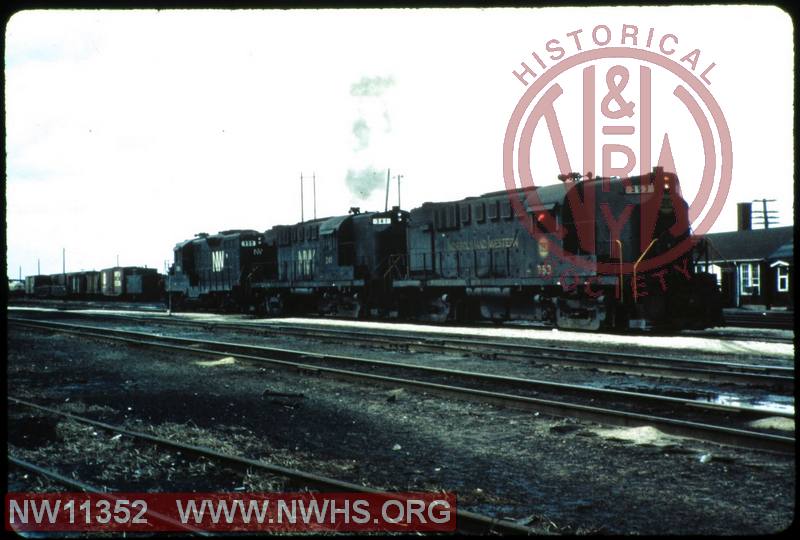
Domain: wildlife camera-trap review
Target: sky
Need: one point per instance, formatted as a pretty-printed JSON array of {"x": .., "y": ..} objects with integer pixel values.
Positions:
[{"x": 130, "y": 131}]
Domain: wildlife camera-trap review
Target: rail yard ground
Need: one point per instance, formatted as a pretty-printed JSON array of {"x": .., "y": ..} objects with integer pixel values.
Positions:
[{"x": 553, "y": 474}]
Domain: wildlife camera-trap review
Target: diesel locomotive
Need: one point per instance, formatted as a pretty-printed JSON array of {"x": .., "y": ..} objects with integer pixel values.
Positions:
[
  {"x": 590, "y": 254},
  {"x": 339, "y": 265},
  {"x": 585, "y": 254}
]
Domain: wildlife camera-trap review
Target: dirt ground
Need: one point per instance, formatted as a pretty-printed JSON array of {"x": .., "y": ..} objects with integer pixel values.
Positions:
[{"x": 552, "y": 473}]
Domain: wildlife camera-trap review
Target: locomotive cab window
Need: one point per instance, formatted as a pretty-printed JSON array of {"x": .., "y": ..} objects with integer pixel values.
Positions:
[
  {"x": 465, "y": 214},
  {"x": 505, "y": 209},
  {"x": 480, "y": 213},
  {"x": 492, "y": 210}
]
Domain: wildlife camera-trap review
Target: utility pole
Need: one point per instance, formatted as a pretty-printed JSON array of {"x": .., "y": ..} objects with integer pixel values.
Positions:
[
  {"x": 38, "y": 267},
  {"x": 399, "y": 176},
  {"x": 302, "y": 208},
  {"x": 169, "y": 289},
  {"x": 64, "y": 261},
  {"x": 388, "y": 175},
  {"x": 117, "y": 260},
  {"x": 302, "y": 201},
  {"x": 766, "y": 216}
]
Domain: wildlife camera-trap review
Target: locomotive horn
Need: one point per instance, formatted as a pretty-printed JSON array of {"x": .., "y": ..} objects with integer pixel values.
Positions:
[{"x": 572, "y": 175}]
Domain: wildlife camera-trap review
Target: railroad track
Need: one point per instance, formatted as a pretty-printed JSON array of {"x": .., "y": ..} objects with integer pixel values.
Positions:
[
  {"x": 75, "y": 484},
  {"x": 734, "y": 336},
  {"x": 773, "y": 377},
  {"x": 467, "y": 522},
  {"x": 672, "y": 415},
  {"x": 758, "y": 319}
]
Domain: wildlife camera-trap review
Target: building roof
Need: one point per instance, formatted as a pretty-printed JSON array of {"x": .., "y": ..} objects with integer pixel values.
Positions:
[
  {"x": 783, "y": 253},
  {"x": 758, "y": 244}
]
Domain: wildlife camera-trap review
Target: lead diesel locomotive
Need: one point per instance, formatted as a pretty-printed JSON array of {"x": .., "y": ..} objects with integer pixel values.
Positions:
[{"x": 584, "y": 254}]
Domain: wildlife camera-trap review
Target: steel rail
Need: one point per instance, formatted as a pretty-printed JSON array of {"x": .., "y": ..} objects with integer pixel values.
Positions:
[
  {"x": 732, "y": 336},
  {"x": 276, "y": 353},
  {"x": 774, "y": 320},
  {"x": 784, "y": 321},
  {"x": 686, "y": 428},
  {"x": 88, "y": 488},
  {"x": 613, "y": 362},
  {"x": 467, "y": 522}
]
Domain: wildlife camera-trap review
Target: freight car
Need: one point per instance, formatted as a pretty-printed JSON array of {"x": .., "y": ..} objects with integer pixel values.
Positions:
[
  {"x": 122, "y": 283},
  {"x": 16, "y": 287},
  {"x": 131, "y": 283},
  {"x": 76, "y": 284},
  {"x": 43, "y": 286}
]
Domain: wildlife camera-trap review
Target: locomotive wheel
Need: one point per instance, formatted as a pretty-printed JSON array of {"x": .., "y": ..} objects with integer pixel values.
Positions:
[{"x": 274, "y": 305}]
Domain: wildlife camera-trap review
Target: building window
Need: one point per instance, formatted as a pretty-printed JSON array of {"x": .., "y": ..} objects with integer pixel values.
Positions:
[
  {"x": 750, "y": 279},
  {"x": 783, "y": 279}
]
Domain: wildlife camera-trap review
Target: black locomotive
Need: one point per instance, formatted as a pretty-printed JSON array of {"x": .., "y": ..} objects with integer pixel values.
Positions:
[
  {"x": 340, "y": 265},
  {"x": 587, "y": 254},
  {"x": 213, "y": 271},
  {"x": 572, "y": 254}
]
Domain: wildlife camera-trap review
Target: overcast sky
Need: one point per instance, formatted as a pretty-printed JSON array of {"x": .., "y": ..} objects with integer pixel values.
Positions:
[{"x": 129, "y": 131}]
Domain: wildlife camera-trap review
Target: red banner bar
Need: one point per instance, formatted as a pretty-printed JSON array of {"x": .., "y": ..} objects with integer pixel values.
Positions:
[{"x": 229, "y": 512}]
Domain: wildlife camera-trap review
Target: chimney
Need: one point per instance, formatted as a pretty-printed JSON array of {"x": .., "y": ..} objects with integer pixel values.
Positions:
[{"x": 744, "y": 213}]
